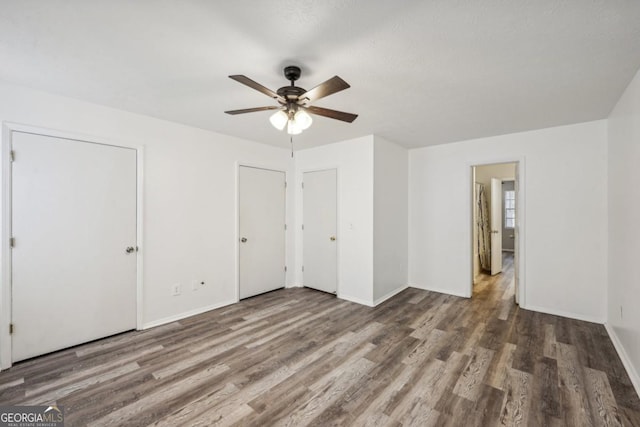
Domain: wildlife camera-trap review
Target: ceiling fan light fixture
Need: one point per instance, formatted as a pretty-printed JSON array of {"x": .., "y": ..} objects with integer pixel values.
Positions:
[
  {"x": 295, "y": 101},
  {"x": 293, "y": 128},
  {"x": 279, "y": 120},
  {"x": 303, "y": 119}
]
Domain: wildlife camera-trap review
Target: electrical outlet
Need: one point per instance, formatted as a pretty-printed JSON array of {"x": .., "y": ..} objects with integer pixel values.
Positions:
[{"x": 176, "y": 289}]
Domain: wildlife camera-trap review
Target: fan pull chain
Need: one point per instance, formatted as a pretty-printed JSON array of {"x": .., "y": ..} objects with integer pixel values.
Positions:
[{"x": 291, "y": 140}]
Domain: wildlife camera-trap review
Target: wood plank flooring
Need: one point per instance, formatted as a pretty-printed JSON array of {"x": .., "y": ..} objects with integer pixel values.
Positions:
[{"x": 300, "y": 357}]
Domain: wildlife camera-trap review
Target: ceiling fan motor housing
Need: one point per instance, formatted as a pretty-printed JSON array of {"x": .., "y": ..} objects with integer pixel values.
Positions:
[{"x": 291, "y": 94}]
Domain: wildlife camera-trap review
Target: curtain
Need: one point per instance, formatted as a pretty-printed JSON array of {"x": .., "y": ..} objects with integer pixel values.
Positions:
[{"x": 484, "y": 230}]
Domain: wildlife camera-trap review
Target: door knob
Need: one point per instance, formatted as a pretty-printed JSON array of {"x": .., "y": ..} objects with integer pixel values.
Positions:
[
  {"x": 332, "y": 238},
  {"x": 243, "y": 240},
  {"x": 130, "y": 249}
]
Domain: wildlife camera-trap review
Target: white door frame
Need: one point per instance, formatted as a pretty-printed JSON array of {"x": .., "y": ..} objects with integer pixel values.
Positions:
[
  {"x": 519, "y": 247},
  {"x": 5, "y": 249},
  {"x": 237, "y": 219},
  {"x": 339, "y": 233}
]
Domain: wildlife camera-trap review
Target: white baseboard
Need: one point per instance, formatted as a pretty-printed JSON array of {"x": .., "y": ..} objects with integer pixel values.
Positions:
[
  {"x": 355, "y": 299},
  {"x": 561, "y": 313},
  {"x": 631, "y": 370},
  {"x": 294, "y": 285},
  {"x": 389, "y": 295},
  {"x": 184, "y": 315},
  {"x": 440, "y": 291}
]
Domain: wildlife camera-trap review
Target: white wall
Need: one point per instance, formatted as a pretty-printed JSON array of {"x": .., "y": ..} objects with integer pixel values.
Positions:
[
  {"x": 189, "y": 194},
  {"x": 390, "y": 218},
  {"x": 624, "y": 228},
  {"x": 565, "y": 239},
  {"x": 354, "y": 161}
]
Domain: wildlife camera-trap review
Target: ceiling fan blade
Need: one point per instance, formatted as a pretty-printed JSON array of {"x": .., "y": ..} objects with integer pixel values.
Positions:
[
  {"x": 331, "y": 86},
  {"x": 255, "y": 85},
  {"x": 332, "y": 114},
  {"x": 252, "y": 110}
]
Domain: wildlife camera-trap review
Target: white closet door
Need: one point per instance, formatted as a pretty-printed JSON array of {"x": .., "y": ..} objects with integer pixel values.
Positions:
[
  {"x": 262, "y": 233},
  {"x": 73, "y": 217},
  {"x": 320, "y": 251}
]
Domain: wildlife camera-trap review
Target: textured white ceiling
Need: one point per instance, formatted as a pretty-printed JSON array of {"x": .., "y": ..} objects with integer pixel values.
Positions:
[{"x": 422, "y": 72}]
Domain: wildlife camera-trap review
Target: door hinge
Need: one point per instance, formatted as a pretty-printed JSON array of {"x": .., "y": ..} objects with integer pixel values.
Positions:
[
  {"x": 303, "y": 185},
  {"x": 285, "y": 226},
  {"x": 12, "y": 156},
  {"x": 303, "y": 268},
  {"x": 10, "y": 328},
  {"x": 285, "y": 184},
  {"x": 303, "y": 226},
  {"x": 12, "y": 242},
  {"x": 285, "y": 268}
]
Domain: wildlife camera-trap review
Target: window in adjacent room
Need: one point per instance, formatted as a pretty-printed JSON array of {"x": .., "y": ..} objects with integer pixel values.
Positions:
[{"x": 509, "y": 209}]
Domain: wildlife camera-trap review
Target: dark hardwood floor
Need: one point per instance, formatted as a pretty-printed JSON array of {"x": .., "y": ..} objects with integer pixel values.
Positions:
[{"x": 300, "y": 357}]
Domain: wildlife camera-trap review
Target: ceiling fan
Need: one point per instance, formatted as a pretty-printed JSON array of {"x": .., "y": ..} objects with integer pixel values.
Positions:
[{"x": 295, "y": 101}]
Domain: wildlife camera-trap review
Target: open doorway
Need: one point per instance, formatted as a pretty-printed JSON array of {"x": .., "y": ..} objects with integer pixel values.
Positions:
[{"x": 495, "y": 228}]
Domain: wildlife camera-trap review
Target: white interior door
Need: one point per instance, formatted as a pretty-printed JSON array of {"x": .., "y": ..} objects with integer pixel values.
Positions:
[
  {"x": 73, "y": 217},
  {"x": 262, "y": 230},
  {"x": 496, "y": 226},
  {"x": 320, "y": 252}
]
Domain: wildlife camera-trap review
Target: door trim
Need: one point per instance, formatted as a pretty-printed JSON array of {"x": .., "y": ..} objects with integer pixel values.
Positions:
[
  {"x": 238, "y": 165},
  {"x": 339, "y": 232},
  {"x": 520, "y": 180},
  {"x": 5, "y": 250}
]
